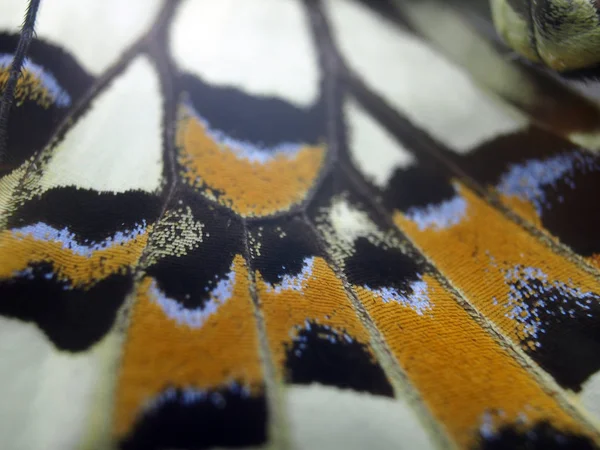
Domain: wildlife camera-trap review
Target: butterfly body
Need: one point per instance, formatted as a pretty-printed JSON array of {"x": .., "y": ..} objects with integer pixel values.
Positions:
[{"x": 564, "y": 35}]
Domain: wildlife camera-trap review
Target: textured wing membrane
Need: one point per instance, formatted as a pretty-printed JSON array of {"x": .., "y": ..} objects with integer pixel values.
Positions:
[{"x": 345, "y": 245}]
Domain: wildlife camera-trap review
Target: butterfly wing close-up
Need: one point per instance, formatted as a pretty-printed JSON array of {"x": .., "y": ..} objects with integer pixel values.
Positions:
[{"x": 299, "y": 224}]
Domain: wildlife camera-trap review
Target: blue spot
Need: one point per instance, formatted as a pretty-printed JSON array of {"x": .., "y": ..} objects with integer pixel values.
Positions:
[
  {"x": 294, "y": 283},
  {"x": 527, "y": 181},
  {"x": 189, "y": 396},
  {"x": 417, "y": 299},
  {"x": 195, "y": 318},
  {"x": 439, "y": 216},
  {"x": 543, "y": 299},
  {"x": 45, "y": 233}
]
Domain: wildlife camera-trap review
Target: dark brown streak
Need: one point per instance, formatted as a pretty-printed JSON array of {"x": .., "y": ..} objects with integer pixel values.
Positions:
[
  {"x": 328, "y": 65},
  {"x": 278, "y": 418},
  {"x": 156, "y": 47},
  {"x": 27, "y": 34}
]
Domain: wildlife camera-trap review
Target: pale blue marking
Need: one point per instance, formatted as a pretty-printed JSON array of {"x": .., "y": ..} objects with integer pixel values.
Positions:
[
  {"x": 335, "y": 337},
  {"x": 439, "y": 216},
  {"x": 190, "y": 396},
  {"x": 68, "y": 240},
  {"x": 195, "y": 318},
  {"x": 25, "y": 273},
  {"x": 518, "y": 279},
  {"x": 294, "y": 283},
  {"x": 59, "y": 95},
  {"x": 526, "y": 181},
  {"x": 487, "y": 428},
  {"x": 249, "y": 151},
  {"x": 417, "y": 300}
]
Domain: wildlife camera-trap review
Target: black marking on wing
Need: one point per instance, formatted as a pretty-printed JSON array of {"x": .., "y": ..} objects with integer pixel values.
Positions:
[
  {"x": 568, "y": 334},
  {"x": 188, "y": 279},
  {"x": 284, "y": 247},
  {"x": 30, "y": 126},
  {"x": 259, "y": 120},
  {"x": 73, "y": 319},
  {"x": 328, "y": 356},
  {"x": 417, "y": 187},
  {"x": 380, "y": 267},
  {"x": 22, "y": 47},
  {"x": 91, "y": 215},
  {"x": 224, "y": 418},
  {"x": 541, "y": 437}
]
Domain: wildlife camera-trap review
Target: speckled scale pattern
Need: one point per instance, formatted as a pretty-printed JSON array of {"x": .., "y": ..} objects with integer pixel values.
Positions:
[{"x": 196, "y": 259}]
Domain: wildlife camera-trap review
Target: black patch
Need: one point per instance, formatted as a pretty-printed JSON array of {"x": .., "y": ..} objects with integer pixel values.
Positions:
[
  {"x": 570, "y": 344},
  {"x": 417, "y": 187},
  {"x": 380, "y": 267},
  {"x": 260, "y": 120},
  {"x": 283, "y": 248},
  {"x": 237, "y": 420},
  {"x": 30, "y": 126},
  {"x": 542, "y": 436},
  {"x": 190, "y": 278},
  {"x": 91, "y": 215},
  {"x": 571, "y": 211},
  {"x": 324, "y": 355},
  {"x": 73, "y": 319}
]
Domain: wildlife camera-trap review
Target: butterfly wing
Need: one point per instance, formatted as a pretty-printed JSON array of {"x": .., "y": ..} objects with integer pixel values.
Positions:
[{"x": 285, "y": 223}]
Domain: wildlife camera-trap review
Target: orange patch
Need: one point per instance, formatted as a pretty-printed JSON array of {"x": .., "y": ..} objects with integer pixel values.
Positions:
[
  {"x": 29, "y": 87},
  {"x": 321, "y": 298},
  {"x": 594, "y": 259},
  {"x": 483, "y": 386},
  {"x": 250, "y": 188},
  {"x": 18, "y": 251},
  {"x": 479, "y": 253},
  {"x": 523, "y": 208},
  {"x": 161, "y": 353}
]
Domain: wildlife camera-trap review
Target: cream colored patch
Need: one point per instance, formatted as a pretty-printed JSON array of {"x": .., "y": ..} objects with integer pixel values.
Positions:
[
  {"x": 373, "y": 150},
  {"x": 12, "y": 15},
  {"x": 49, "y": 398},
  {"x": 433, "y": 93},
  {"x": 341, "y": 224},
  {"x": 590, "y": 395},
  {"x": 261, "y": 46},
  {"x": 8, "y": 184},
  {"x": 95, "y": 32},
  {"x": 350, "y": 223},
  {"x": 324, "y": 417},
  {"x": 116, "y": 146}
]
